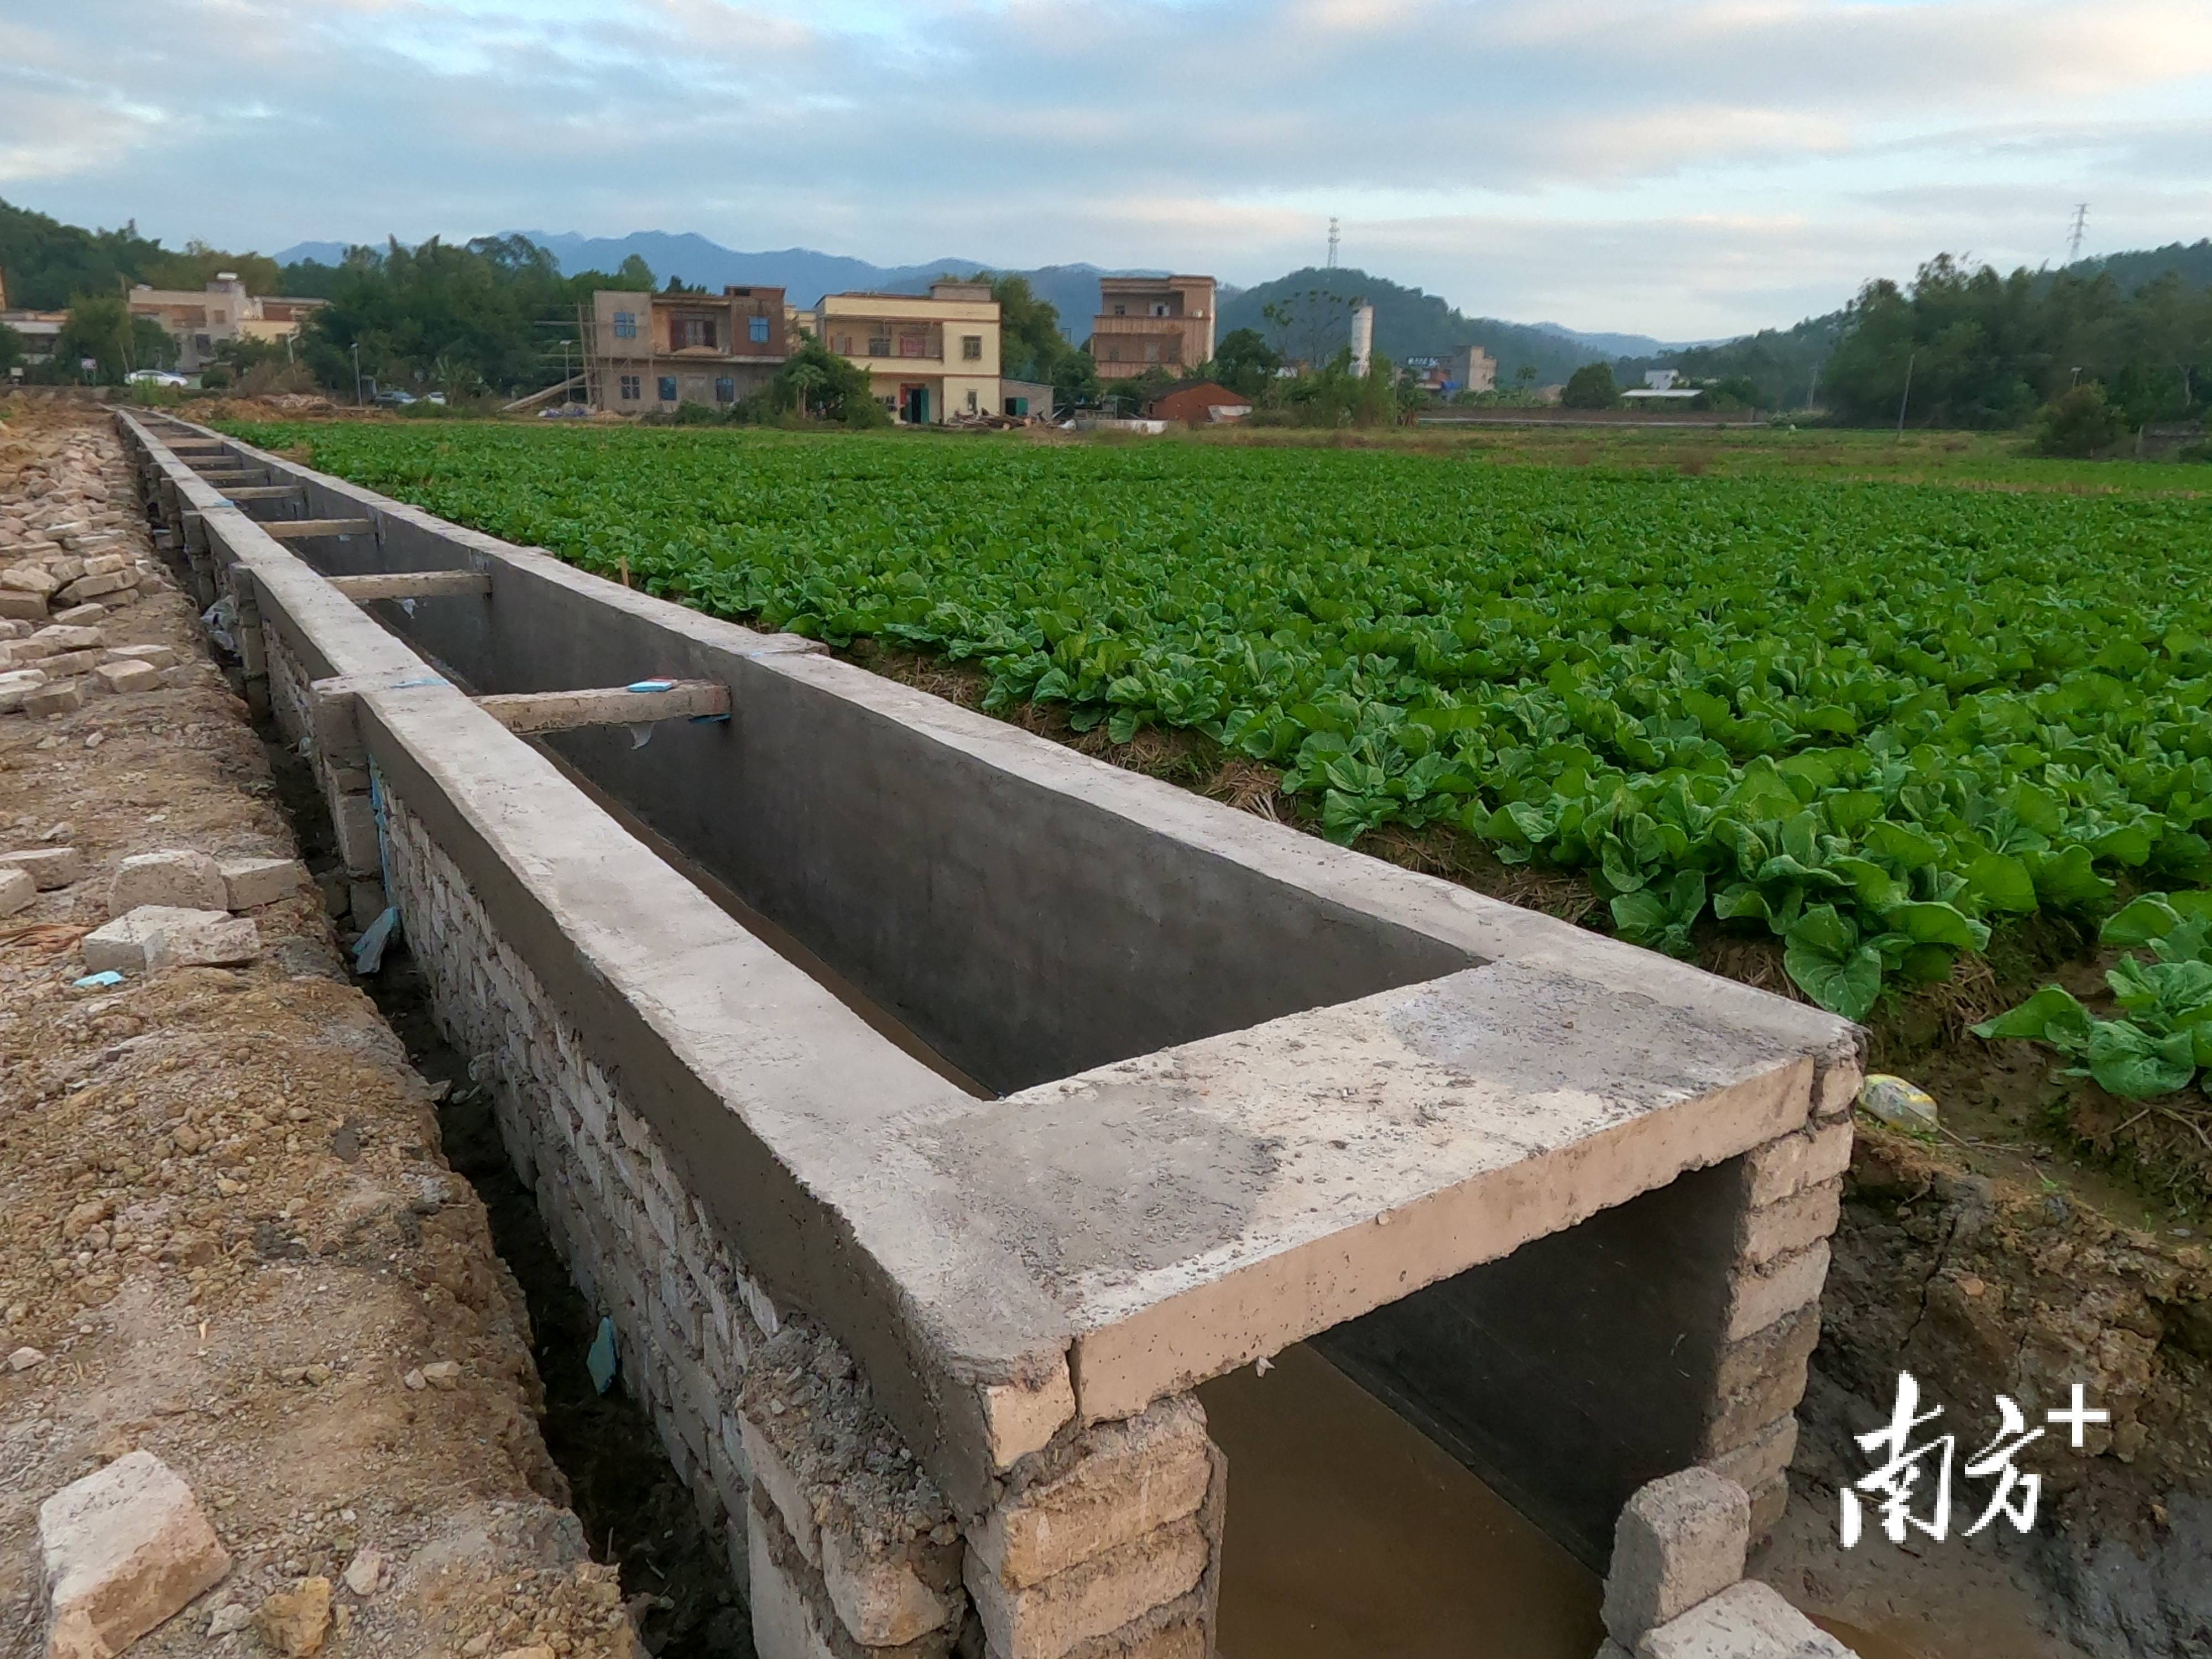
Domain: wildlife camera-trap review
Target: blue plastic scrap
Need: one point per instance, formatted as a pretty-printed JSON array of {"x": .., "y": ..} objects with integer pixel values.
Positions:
[
  {"x": 108, "y": 977},
  {"x": 601, "y": 1361},
  {"x": 369, "y": 949}
]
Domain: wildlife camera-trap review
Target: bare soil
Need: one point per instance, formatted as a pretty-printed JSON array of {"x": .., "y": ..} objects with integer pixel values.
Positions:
[{"x": 229, "y": 1229}]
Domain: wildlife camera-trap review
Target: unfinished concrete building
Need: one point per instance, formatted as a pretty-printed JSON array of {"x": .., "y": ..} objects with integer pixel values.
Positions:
[
  {"x": 933, "y": 1123},
  {"x": 1153, "y": 322},
  {"x": 652, "y": 353}
]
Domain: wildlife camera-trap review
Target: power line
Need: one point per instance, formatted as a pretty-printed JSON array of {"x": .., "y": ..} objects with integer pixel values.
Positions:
[{"x": 2074, "y": 239}]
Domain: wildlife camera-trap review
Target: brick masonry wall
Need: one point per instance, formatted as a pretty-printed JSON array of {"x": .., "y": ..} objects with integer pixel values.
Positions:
[
  {"x": 686, "y": 1315},
  {"x": 1107, "y": 1543},
  {"x": 690, "y": 1322},
  {"x": 289, "y": 700},
  {"x": 1789, "y": 1193}
]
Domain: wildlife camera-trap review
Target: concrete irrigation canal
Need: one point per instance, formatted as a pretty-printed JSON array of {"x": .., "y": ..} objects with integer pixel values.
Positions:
[{"x": 933, "y": 1110}]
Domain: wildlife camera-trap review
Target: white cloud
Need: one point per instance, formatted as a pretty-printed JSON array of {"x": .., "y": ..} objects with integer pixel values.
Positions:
[{"x": 1682, "y": 166}]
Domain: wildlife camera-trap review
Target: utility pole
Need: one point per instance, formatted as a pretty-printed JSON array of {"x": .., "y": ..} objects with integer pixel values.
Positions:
[
  {"x": 123, "y": 284},
  {"x": 1331, "y": 241},
  {"x": 2074, "y": 239},
  {"x": 356, "y": 375},
  {"x": 1907, "y": 398}
]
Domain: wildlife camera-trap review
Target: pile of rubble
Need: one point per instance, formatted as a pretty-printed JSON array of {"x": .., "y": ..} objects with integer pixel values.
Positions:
[
  {"x": 265, "y": 1388},
  {"x": 74, "y": 551}
]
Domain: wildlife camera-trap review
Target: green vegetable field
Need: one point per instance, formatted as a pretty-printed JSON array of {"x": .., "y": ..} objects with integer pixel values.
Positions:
[{"x": 1874, "y": 719}]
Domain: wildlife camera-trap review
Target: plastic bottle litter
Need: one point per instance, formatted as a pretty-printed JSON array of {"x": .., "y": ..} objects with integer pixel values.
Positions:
[{"x": 1899, "y": 1105}]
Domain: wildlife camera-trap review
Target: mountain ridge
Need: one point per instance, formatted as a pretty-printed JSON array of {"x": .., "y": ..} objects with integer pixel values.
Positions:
[{"x": 805, "y": 274}]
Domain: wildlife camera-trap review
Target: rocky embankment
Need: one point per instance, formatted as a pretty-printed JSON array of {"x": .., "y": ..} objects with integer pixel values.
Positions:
[{"x": 245, "y": 1308}]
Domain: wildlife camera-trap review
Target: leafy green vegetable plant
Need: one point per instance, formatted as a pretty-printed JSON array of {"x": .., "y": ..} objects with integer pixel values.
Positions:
[
  {"x": 2164, "y": 1035},
  {"x": 1871, "y": 720}
]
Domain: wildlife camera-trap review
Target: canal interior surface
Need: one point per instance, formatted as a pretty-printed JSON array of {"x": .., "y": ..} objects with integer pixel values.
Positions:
[{"x": 1349, "y": 1531}]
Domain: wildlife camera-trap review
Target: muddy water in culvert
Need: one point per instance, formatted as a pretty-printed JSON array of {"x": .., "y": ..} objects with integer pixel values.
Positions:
[{"x": 1350, "y": 1533}]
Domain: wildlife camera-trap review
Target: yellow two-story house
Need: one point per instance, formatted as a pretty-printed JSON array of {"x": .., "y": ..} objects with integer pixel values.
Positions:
[{"x": 930, "y": 358}]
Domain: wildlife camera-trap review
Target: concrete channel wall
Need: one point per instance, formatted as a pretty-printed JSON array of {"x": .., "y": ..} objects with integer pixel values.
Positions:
[{"x": 1563, "y": 1202}]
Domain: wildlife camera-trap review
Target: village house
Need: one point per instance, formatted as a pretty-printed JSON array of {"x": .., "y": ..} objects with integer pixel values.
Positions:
[
  {"x": 1151, "y": 322},
  {"x": 930, "y": 358},
  {"x": 37, "y": 329},
  {"x": 1025, "y": 400},
  {"x": 650, "y": 352},
  {"x": 202, "y": 321}
]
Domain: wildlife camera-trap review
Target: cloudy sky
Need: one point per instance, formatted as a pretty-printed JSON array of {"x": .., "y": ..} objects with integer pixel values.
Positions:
[{"x": 1680, "y": 167}]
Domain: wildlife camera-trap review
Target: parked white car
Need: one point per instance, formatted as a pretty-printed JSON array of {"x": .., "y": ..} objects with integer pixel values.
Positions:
[{"x": 156, "y": 377}]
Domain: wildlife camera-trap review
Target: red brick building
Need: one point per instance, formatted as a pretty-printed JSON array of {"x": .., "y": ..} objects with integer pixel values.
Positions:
[{"x": 1199, "y": 403}]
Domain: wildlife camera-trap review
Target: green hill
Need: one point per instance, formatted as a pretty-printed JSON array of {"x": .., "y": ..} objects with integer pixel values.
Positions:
[
  {"x": 1313, "y": 322},
  {"x": 45, "y": 264},
  {"x": 2191, "y": 261},
  {"x": 1783, "y": 362}
]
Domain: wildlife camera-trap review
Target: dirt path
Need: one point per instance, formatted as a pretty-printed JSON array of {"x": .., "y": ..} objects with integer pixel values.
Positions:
[{"x": 230, "y": 1238}]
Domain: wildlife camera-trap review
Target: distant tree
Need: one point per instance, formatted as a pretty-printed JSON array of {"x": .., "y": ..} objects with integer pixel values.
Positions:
[
  {"x": 101, "y": 327},
  {"x": 817, "y": 382},
  {"x": 1526, "y": 374},
  {"x": 1785, "y": 367},
  {"x": 200, "y": 265},
  {"x": 678, "y": 285},
  {"x": 47, "y": 262},
  {"x": 1332, "y": 395},
  {"x": 2079, "y": 423},
  {"x": 1030, "y": 345},
  {"x": 1310, "y": 324},
  {"x": 1732, "y": 392},
  {"x": 1243, "y": 361},
  {"x": 633, "y": 273},
  {"x": 1075, "y": 381},
  {"x": 1131, "y": 394},
  {"x": 1591, "y": 386},
  {"x": 496, "y": 308},
  {"x": 1982, "y": 350}
]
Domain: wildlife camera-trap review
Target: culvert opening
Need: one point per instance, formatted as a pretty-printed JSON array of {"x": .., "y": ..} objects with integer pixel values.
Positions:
[
  {"x": 1447, "y": 1470},
  {"x": 635, "y": 1510}
]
